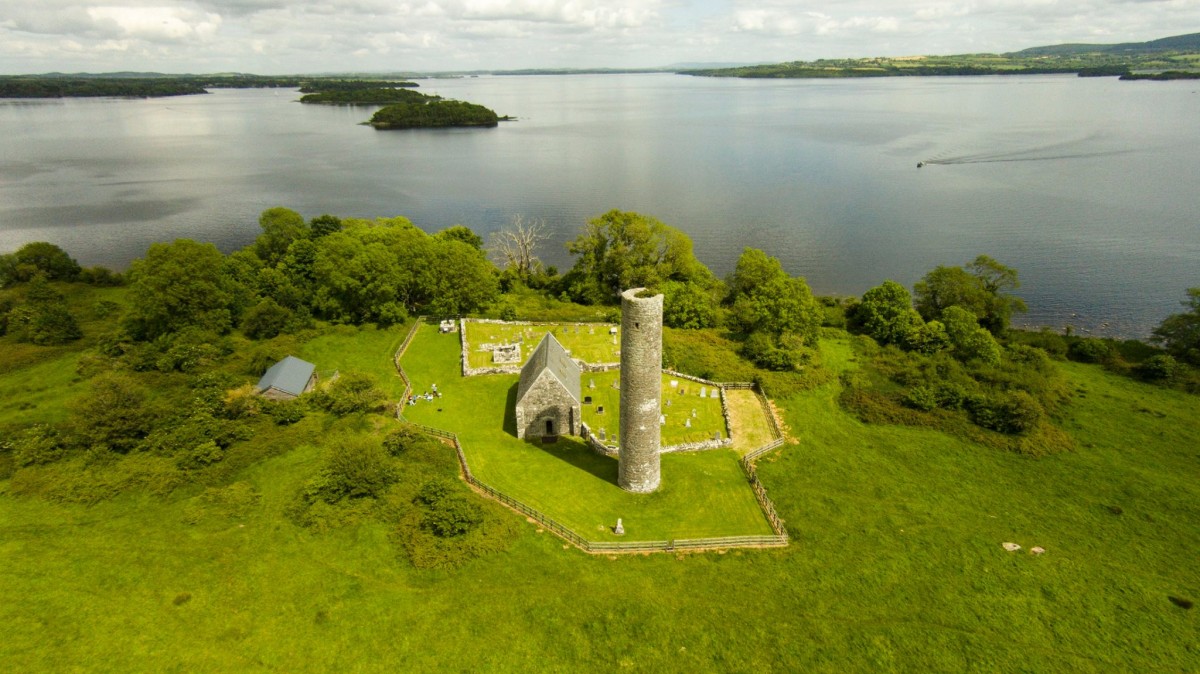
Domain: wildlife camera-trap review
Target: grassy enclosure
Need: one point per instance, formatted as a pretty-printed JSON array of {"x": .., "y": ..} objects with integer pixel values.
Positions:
[
  {"x": 684, "y": 397},
  {"x": 589, "y": 342},
  {"x": 703, "y": 494}
]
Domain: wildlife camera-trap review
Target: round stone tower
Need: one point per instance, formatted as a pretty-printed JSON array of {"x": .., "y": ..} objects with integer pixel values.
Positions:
[{"x": 641, "y": 387}]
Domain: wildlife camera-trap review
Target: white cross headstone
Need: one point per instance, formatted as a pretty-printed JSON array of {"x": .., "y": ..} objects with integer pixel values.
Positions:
[
  {"x": 693, "y": 412},
  {"x": 687, "y": 423},
  {"x": 591, "y": 383},
  {"x": 662, "y": 420}
]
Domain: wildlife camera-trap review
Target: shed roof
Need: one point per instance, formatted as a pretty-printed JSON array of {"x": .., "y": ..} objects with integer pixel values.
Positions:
[
  {"x": 552, "y": 357},
  {"x": 289, "y": 375}
]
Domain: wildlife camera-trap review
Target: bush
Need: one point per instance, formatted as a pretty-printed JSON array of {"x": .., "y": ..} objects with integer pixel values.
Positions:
[
  {"x": 354, "y": 468},
  {"x": 921, "y": 398},
  {"x": 284, "y": 412},
  {"x": 37, "y": 445},
  {"x": 1090, "y": 350},
  {"x": 351, "y": 393},
  {"x": 1160, "y": 368},
  {"x": 265, "y": 320},
  {"x": 950, "y": 396},
  {"x": 400, "y": 440},
  {"x": 508, "y": 313},
  {"x": 1012, "y": 413},
  {"x": 447, "y": 512}
]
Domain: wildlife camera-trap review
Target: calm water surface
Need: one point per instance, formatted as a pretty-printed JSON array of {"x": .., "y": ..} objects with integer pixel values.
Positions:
[{"x": 1087, "y": 186}]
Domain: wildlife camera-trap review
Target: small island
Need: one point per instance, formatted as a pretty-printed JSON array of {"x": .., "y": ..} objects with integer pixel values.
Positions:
[
  {"x": 373, "y": 96},
  {"x": 434, "y": 114}
]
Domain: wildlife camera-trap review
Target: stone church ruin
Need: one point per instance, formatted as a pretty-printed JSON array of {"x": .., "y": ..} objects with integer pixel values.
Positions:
[{"x": 548, "y": 394}]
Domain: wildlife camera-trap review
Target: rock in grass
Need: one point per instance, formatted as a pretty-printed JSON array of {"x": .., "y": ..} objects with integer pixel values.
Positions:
[
  {"x": 1011, "y": 547},
  {"x": 1181, "y": 602}
]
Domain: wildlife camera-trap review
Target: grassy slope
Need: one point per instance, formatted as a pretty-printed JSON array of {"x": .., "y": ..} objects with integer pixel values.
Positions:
[{"x": 896, "y": 566}]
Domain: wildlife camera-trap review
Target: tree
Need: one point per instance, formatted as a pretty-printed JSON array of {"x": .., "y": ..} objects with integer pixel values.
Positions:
[
  {"x": 323, "y": 225},
  {"x": 983, "y": 288},
  {"x": 887, "y": 315},
  {"x": 178, "y": 285},
  {"x": 455, "y": 279},
  {"x": 114, "y": 414},
  {"x": 516, "y": 246},
  {"x": 34, "y": 258},
  {"x": 621, "y": 250},
  {"x": 688, "y": 305},
  {"x": 461, "y": 233},
  {"x": 968, "y": 340},
  {"x": 50, "y": 321},
  {"x": 265, "y": 319},
  {"x": 280, "y": 227},
  {"x": 766, "y": 299},
  {"x": 1180, "y": 333}
]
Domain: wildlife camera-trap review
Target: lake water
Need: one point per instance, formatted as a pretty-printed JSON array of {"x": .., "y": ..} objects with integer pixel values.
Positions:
[{"x": 1087, "y": 186}]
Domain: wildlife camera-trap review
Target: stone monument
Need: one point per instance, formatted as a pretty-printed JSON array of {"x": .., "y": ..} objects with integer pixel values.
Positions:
[{"x": 639, "y": 468}]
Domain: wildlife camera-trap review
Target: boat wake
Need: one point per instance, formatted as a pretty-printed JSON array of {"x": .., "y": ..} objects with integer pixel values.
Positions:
[{"x": 1072, "y": 149}]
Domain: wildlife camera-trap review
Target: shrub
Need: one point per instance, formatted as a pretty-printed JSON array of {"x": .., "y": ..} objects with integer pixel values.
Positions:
[
  {"x": 1012, "y": 412},
  {"x": 950, "y": 396},
  {"x": 284, "y": 412},
  {"x": 1160, "y": 368},
  {"x": 921, "y": 398},
  {"x": 1090, "y": 350},
  {"x": 354, "y": 467},
  {"x": 447, "y": 512},
  {"x": 265, "y": 319},
  {"x": 400, "y": 440},
  {"x": 508, "y": 313},
  {"x": 351, "y": 393},
  {"x": 37, "y": 445}
]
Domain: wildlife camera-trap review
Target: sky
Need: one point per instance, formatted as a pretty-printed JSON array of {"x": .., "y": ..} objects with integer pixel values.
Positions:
[{"x": 305, "y": 36}]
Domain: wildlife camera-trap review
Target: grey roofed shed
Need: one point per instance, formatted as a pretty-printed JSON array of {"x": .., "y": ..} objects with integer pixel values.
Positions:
[
  {"x": 549, "y": 393},
  {"x": 288, "y": 378}
]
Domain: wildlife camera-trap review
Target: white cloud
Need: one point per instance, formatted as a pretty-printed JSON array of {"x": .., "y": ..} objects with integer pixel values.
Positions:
[
  {"x": 323, "y": 35},
  {"x": 156, "y": 24}
]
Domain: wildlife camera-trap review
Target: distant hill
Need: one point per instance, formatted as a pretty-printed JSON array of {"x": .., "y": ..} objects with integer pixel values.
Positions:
[
  {"x": 1189, "y": 42},
  {"x": 1178, "y": 55}
]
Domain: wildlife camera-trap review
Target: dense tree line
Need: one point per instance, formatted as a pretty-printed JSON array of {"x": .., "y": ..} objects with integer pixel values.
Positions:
[
  {"x": 374, "y": 96},
  {"x": 433, "y": 113},
  {"x": 30, "y": 87}
]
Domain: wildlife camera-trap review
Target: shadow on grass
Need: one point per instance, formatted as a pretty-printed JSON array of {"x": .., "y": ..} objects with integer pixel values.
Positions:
[
  {"x": 510, "y": 411},
  {"x": 575, "y": 453}
]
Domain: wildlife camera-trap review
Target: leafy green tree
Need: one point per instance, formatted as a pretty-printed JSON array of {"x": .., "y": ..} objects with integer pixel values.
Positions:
[
  {"x": 766, "y": 299},
  {"x": 351, "y": 393},
  {"x": 177, "y": 285},
  {"x": 34, "y": 258},
  {"x": 688, "y": 305},
  {"x": 115, "y": 413},
  {"x": 360, "y": 276},
  {"x": 983, "y": 288},
  {"x": 323, "y": 225},
  {"x": 280, "y": 227},
  {"x": 621, "y": 250},
  {"x": 1180, "y": 333},
  {"x": 968, "y": 340},
  {"x": 463, "y": 234},
  {"x": 454, "y": 279},
  {"x": 44, "y": 318},
  {"x": 265, "y": 319},
  {"x": 887, "y": 315}
]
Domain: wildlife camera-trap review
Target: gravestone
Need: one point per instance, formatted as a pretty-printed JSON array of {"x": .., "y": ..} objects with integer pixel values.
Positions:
[{"x": 687, "y": 423}]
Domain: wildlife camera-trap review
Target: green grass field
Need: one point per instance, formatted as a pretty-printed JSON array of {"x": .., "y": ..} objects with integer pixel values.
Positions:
[
  {"x": 683, "y": 398},
  {"x": 703, "y": 494},
  {"x": 895, "y": 564},
  {"x": 589, "y": 342},
  {"x": 366, "y": 350}
]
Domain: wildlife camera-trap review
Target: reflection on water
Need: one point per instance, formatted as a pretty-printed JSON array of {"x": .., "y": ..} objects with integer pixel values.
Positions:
[{"x": 1083, "y": 184}]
